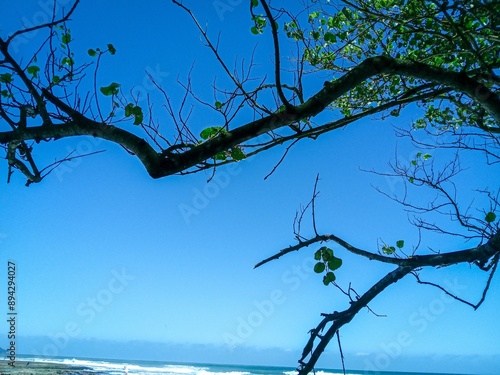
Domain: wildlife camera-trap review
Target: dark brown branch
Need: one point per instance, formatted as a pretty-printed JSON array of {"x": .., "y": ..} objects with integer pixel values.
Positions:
[
  {"x": 160, "y": 167},
  {"x": 342, "y": 318},
  {"x": 317, "y": 131},
  {"x": 341, "y": 242},
  {"x": 277, "y": 67},
  {"x": 479, "y": 254},
  {"x": 33, "y": 176}
]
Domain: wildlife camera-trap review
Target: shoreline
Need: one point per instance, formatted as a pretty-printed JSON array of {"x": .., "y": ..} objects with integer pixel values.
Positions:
[{"x": 43, "y": 368}]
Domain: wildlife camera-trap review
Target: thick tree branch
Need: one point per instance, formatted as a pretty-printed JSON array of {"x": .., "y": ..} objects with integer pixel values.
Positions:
[
  {"x": 344, "y": 317},
  {"x": 479, "y": 254},
  {"x": 160, "y": 165}
]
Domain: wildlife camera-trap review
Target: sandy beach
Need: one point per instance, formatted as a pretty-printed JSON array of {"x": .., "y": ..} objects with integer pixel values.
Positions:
[{"x": 38, "y": 368}]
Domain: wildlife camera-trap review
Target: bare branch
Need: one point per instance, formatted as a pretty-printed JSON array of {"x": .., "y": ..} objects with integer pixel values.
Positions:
[
  {"x": 277, "y": 68},
  {"x": 45, "y": 25}
]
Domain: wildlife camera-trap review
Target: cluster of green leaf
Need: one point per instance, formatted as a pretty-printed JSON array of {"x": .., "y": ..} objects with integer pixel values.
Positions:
[
  {"x": 131, "y": 110},
  {"x": 6, "y": 78},
  {"x": 420, "y": 157},
  {"x": 62, "y": 66},
  {"x": 327, "y": 263},
  {"x": 389, "y": 250},
  {"x": 134, "y": 111},
  {"x": 67, "y": 60},
  {"x": 97, "y": 52},
  {"x": 454, "y": 36},
  {"x": 113, "y": 89},
  {"x": 259, "y": 24},
  {"x": 443, "y": 116},
  {"x": 259, "y": 21},
  {"x": 235, "y": 153},
  {"x": 7, "y": 87},
  {"x": 418, "y": 164}
]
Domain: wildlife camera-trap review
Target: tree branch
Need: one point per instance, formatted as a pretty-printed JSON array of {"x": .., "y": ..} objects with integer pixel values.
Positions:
[
  {"x": 277, "y": 63},
  {"x": 478, "y": 254}
]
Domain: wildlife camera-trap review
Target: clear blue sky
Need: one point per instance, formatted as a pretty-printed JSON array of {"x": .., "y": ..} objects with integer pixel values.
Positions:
[{"x": 105, "y": 254}]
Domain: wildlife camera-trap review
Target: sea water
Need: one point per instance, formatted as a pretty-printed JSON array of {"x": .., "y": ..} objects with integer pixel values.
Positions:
[{"x": 131, "y": 367}]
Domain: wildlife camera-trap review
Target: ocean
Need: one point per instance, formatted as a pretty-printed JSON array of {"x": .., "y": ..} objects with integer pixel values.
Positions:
[{"x": 130, "y": 367}]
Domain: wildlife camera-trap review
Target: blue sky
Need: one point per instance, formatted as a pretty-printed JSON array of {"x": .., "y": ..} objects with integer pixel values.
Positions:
[{"x": 105, "y": 254}]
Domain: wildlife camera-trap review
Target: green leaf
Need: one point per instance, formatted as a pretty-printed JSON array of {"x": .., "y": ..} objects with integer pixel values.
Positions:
[
  {"x": 33, "y": 70},
  {"x": 92, "y": 52},
  {"x": 56, "y": 79},
  {"x": 136, "y": 111},
  {"x": 111, "y": 49},
  {"x": 128, "y": 109},
  {"x": 400, "y": 244},
  {"x": 327, "y": 253},
  {"x": 139, "y": 116},
  {"x": 67, "y": 61},
  {"x": 221, "y": 156},
  {"x": 66, "y": 38},
  {"x": 218, "y": 105},
  {"x": 211, "y": 132},
  {"x": 490, "y": 217},
  {"x": 329, "y": 278},
  {"x": 319, "y": 267},
  {"x": 5, "y": 93},
  {"x": 330, "y": 37},
  {"x": 334, "y": 263},
  {"x": 6, "y": 78},
  {"x": 426, "y": 156},
  {"x": 255, "y": 3},
  {"x": 138, "y": 119},
  {"x": 255, "y": 30},
  {"x": 237, "y": 154},
  {"x": 317, "y": 255},
  {"x": 313, "y": 16},
  {"x": 112, "y": 89},
  {"x": 389, "y": 250}
]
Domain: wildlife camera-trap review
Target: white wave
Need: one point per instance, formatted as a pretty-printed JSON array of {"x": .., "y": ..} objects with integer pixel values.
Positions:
[
  {"x": 137, "y": 369},
  {"x": 321, "y": 372},
  {"x": 205, "y": 372}
]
